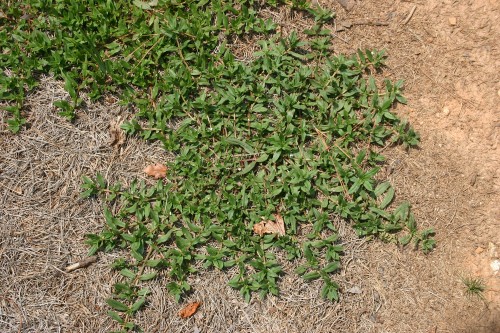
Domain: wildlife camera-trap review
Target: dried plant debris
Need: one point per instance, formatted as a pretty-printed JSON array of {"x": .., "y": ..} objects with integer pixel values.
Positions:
[
  {"x": 156, "y": 170},
  {"x": 117, "y": 135},
  {"x": 81, "y": 264},
  {"x": 270, "y": 227},
  {"x": 189, "y": 310}
]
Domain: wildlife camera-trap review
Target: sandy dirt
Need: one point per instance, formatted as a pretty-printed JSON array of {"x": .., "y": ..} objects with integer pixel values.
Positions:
[{"x": 448, "y": 53}]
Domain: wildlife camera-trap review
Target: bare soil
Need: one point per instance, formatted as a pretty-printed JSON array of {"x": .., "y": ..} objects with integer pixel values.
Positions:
[{"x": 447, "y": 51}]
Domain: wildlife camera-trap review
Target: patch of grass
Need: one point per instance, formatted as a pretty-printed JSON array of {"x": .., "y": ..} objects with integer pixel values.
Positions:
[
  {"x": 296, "y": 132},
  {"x": 474, "y": 287}
]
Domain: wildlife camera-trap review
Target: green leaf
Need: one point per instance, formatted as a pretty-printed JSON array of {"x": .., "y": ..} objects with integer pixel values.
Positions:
[
  {"x": 235, "y": 282},
  {"x": 118, "y": 306},
  {"x": 427, "y": 245},
  {"x": 387, "y": 199},
  {"x": 241, "y": 143},
  {"x": 381, "y": 188},
  {"x": 311, "y": 276},
  {"x": 301, "y": 270},
  {"x": 153, "y": 262},
  {"x": 333, "y": 294},
  {"x": 405, "y": 239},
  {"x": 127, "y": 273},
  {"x": 381, "y": 213},
  {"x": 149, "y": 276},
  {"x": 70, "y": 85},
  {"x": 138, "y": 304},
  {"x": 309, "y": 254},
  {"x": 331, "y": 267},
  {"x": 411, "y": 223},
  {"x": 355, "y": 187},
  {"x": 361, "y": 156},
  {"x": 402, "y": 211},
  {"x": 15, "y": 124},
  {"x": 262, "y": 158},
  {"x": 401, "y": 99},
  {"x": 165, "y": 237},
  {"x": 100, "y": 180},
  {"x": 259, "y": 108},
  {"x": 247, "y": 169},
  {"x": 115, "y": 316},
  {"x": 324, "y": 291},
  {"x": 93, "y": 249},
  {"x": 62, "y": 105},
  {"x": 143, "y": 292}
]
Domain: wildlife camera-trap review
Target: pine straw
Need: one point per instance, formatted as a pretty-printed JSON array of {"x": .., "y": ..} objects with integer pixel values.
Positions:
[{"x": 43, "y": 220}]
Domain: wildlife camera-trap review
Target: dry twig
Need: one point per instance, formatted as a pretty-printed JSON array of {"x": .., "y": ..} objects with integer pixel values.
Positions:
[
  {"x": 410, "y": 14},
  {"x": 81, "y": 264},
  {"x": 348, "y": 24}
]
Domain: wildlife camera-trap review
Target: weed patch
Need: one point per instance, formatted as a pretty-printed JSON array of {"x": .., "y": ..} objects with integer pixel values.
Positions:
[
  {"x": 295, "y": 134},
  {"x": 474, "y": 287}
]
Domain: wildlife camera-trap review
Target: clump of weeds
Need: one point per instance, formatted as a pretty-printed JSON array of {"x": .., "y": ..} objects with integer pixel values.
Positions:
[{"x": 294, "y": 135}]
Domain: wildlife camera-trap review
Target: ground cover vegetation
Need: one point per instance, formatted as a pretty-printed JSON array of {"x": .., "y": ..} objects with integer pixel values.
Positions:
[{"x": 294, "y": 135}]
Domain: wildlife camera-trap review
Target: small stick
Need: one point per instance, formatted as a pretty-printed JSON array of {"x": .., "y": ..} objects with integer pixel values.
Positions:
[
  {"x": 408, "y": 18},
  {"x": 81, "y": 264},
  {"x": 348, "y": 24}
]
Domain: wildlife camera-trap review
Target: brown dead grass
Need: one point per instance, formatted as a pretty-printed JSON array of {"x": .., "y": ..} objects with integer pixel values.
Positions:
[{"x": 452, "y": 182}]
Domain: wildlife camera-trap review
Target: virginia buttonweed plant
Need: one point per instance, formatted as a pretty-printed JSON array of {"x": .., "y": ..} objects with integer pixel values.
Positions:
[{"x": 295, "y": 131}]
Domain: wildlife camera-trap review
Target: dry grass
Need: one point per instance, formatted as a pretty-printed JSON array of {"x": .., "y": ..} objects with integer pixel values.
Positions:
[{"x": 43, "y": 221}]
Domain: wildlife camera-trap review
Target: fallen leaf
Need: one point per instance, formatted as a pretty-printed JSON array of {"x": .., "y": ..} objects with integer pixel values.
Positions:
[
  {"x": 116, "y": 133},
  {"x": 18, "y": 190},
  {"x": 260, "y": 228},
  {"x": 189, "y": 310},
  {"x": 156, "y": 170},
  {"x": 270, "y": 227}
]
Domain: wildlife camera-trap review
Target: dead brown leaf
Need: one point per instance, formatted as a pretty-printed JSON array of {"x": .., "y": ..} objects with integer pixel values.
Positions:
[
  {"x": 189, "y": 310},
  {"x": 156, "y": 170},
  {"x": 270, "y": 227},
  {"x": 116, "y": 133}
]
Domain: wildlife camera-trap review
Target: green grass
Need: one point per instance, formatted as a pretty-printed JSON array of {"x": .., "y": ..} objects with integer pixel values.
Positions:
[
  {"x": 474, "y": 287},
  {"x": 296, "y": 132}
]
